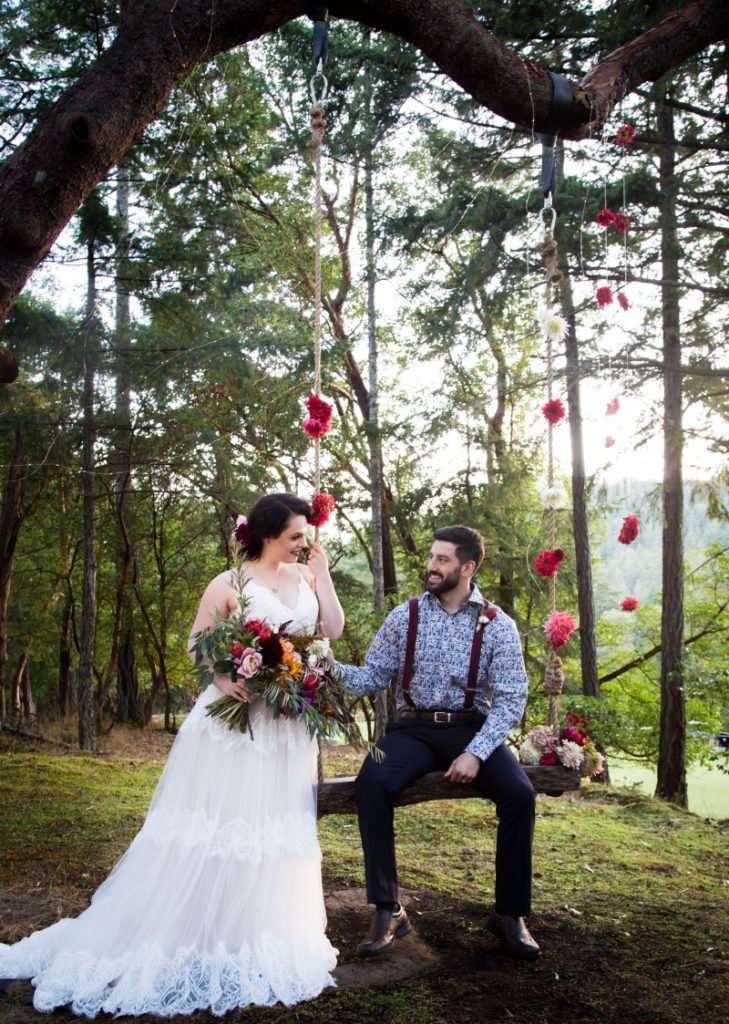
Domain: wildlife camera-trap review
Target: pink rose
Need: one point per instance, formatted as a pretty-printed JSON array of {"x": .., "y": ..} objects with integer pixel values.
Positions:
[{"x": 249, "y": 664}]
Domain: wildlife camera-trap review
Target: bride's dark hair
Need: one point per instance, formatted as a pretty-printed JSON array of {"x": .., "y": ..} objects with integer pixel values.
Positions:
[{"x": 269, "y": 518}]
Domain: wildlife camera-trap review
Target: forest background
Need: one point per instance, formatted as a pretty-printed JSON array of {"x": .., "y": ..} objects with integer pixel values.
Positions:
[{"x": 167, "y": 356}]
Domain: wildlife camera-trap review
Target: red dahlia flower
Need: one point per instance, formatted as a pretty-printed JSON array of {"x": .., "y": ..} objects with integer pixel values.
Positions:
[
  {"x": 314, "y": 427},
  {"x": 559, "y": 627},
  {"x": 554, "y": 411},
  {"x": 319, "y": 409},
  {"x": 605, "y": 218},
  {"x": 630, "y": 604},
  {"x": 625, "y": 134},
  {"x": 622, "y": 223},
  {"x": 604, "y": 296},
  {"x": 322, "y": 506},
  {"x": 629, "y": 529},
  {"x": 547, "y": 562}
]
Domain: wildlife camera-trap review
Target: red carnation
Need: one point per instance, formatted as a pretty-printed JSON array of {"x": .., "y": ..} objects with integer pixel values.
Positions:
[
  {"x": 629, "y": 529},
  {"x": 554, "y": 411},
  {"x": 623, "y": 300},
  {"x": 609, "y": 441},
  {"x": 625, "y": 134},
  {"x": 314, "y": 427},
  {"x": 605, "y": 218},
  {"x": 547, "y": 562},
  {"x": 548, "y": 758},
  {"x": 630, "y": 604},
  {"x": 613, "y": 406},
  {"x": 622, "y": 223},
  {"x": 604, "y": 296},
  {"x": 322, "y": 506},
  {"x": 319, "y": 409},
  {"x": 237, "y": 649}
]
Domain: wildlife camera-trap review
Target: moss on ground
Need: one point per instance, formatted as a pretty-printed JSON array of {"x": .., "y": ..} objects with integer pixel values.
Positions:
[{"x": 631, "y": 898}]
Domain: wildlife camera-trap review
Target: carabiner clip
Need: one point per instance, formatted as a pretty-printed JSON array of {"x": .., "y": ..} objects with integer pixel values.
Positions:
[
  {"x": 319, "y": 76},
  {"x": 550, "y": 210}
]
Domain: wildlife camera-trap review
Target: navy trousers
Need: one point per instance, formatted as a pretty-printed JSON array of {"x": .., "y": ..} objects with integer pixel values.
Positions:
[{"x": 413, "y": 748}]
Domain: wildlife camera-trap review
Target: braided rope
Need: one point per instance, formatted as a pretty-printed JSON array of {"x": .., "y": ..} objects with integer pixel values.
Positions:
[
  {"x": 554, "y": 674},
  {"x": 318, "y": 124}
]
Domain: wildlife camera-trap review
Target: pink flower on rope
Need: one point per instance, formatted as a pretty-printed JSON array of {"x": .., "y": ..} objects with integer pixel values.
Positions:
[
  {"x": 604, "y": 296},
  {"x": 314, "y": 427},
  {"x": 554, "y": 411},
  {"x": 322, "y": 506},
  {"x": 629, "y": 529},
  {"x": 623, "y": 300},
  {"x": 622, "y": 223},
  {"x": 613, "y": 406},
  {"x": 558, "y": 628},
  {"x": 625, "y": 134},
  {"x": 609, "y": 441},
  {"x": 547, "y": 562},
  {"x": 630, "y": 603},
  {"x": 605, "y": 218}
]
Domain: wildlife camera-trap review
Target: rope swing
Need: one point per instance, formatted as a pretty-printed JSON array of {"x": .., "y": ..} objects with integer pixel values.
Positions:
[{"x": 319, "y": 419}]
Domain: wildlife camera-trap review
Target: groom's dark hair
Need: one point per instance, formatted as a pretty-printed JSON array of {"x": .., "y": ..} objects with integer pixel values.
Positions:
[
  {"x": 469, "y": 543},
  {"x": 269, "y": 517}
]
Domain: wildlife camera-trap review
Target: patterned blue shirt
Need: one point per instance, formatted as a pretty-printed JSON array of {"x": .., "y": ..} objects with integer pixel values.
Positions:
[{"x": 440, "y": 666}]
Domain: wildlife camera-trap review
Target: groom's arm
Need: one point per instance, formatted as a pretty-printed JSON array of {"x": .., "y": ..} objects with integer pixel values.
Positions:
[{"x": 382, "y": 662}]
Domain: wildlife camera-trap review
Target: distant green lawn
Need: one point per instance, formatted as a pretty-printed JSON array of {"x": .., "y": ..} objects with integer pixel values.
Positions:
[{"x": 708, "y": 789}]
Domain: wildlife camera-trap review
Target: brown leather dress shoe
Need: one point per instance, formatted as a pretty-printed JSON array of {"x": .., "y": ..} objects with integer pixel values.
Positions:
[
  {"x": 515, "y": 934},
  {"x": 387, "y": 925}
]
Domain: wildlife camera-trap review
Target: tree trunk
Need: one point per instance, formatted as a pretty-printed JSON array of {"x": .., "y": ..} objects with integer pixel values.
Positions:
[
  {"x": 11, "y": 520},
  {"x": 15, "y": 687},
  {"x": 128, "y": 708},
  {"x": 580, "y": 522},
  {"x": 85, "y": 698},
  {"x": 671, "y": 782}
]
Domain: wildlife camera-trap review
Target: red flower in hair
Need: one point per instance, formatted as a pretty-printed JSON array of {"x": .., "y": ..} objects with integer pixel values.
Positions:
[
  {"x": 554, "y": 411},
  {"x": 630, "y": 604},
  {"x": 559, "y": 627},
  {"x": 322, "y": 506},
  {"x": 604, "y": 296},
  {"x": 629, "y": 529},
  {"x": 547, "y": 562},
  {"x": 622, "y": 223},
  {"x": 242, "y": 533},
  {"x": 625, "y": 134},
  {"x": 623, "y": 300},
  {"x": 605, "y": 218}
]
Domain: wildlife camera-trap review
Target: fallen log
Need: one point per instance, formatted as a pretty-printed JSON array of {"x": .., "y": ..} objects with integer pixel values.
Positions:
[{"x": 336, "y": 796}]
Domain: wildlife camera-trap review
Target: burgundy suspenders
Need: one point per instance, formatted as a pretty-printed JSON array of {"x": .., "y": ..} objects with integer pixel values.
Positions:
[{"x": 407, "y": 672}]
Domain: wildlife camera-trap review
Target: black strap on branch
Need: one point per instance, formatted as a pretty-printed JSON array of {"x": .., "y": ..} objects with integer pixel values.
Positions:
[
  {"x": 320, "y": 16},
  {"x": 560, "y": 105}
]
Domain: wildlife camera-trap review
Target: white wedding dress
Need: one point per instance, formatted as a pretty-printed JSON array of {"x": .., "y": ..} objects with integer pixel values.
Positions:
[{"x": 218, "y": 901}]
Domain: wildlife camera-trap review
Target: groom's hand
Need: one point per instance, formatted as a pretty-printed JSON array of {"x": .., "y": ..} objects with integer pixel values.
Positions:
[{"x": 464, "y": 768}]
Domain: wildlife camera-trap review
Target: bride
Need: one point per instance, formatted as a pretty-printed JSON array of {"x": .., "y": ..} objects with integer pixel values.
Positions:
[{"x": 218, "y": 901}]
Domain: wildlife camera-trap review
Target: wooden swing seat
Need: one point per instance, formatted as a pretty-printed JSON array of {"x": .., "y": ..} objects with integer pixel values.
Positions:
[{"x": 336, "y": 796}]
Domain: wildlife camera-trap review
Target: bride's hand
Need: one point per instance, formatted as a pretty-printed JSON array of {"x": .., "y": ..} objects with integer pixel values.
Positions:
[
  {"x": 237, "y": 690},
  {"x": 317, "y": 561}
]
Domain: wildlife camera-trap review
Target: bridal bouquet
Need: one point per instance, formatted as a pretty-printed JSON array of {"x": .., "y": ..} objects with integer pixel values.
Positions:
[{"x": 289, "y": 671}]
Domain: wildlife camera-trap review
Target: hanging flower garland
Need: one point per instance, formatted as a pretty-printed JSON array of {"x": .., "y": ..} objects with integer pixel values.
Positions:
[
  {"x": 620, "y": 221},
  {"x": 629, "y": 530},
  {"x": 630, "y": 603}
]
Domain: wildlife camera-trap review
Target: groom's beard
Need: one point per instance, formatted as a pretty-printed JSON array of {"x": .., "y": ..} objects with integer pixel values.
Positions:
[{"x": 437, "y": 583}]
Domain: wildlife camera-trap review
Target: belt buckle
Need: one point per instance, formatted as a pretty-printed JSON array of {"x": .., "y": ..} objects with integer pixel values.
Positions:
[{"x": 442, "y": 717}]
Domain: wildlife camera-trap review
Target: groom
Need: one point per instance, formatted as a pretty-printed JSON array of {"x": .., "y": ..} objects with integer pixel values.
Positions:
[{"x": 461, "y": 689}]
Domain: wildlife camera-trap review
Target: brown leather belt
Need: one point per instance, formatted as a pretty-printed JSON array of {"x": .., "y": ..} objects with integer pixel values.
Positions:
[{"x": 444, "y": 717}]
